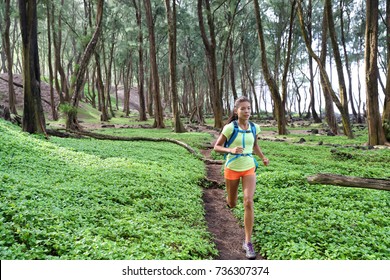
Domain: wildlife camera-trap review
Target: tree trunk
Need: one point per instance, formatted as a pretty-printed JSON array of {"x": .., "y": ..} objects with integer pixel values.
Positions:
[
  {"x": 386, "y": 107},
  {"x": 348, "y": 181},
  {"x": 345, "y": 117},
  {"x": 339, "y": 67},
  {"x": 149, "y": 94},
  {"x": 100, "y": 88},
  {"x": 375, "y": 130},
  {"x": 57, "y": 42},
  {"x": 312, "y": 109},
  {"x": 359, "y": 84},
  {"x": 232, "y": 75},
  {"x": 141, "y": 72},
  {"x": 108, "y": 69},
  {"x": 127, "y": 87},
  {"x": 329, "y": 111},
  {"x": 227, "y": 62},
  {"x": 250, "y": 79},
  {"x": 155, "y": 86},
  {"x": 298, "y": 95},
  {"x": 171, "y": 18},
  {"x": 57, "y": 56},
  {"x": 93, "y": 84},
  {"x": 288, "y": 55},
  {"x": 49, "y": 56},
  {"x": 72, "y": 122},
  {"x": 197, "y": 111},
  {"x": 347, "y": 64},
  {"x": 33, "y": 117},
  {"x": 3, "y": 58},
  {"x": 280, "y": 110},
  {"x": 210, "y": 48},
  {"x": 8, "y": 53},
  {"x": 116, "y": 83}
]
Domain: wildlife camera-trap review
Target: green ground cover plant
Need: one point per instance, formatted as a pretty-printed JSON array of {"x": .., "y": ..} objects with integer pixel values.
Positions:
[
  {"x": 90, "y": 199},
  {"x": 295, "y": 220}
]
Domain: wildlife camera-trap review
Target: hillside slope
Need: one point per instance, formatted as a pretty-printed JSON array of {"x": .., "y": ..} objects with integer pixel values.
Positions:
[{"x": 45, "y": 95}]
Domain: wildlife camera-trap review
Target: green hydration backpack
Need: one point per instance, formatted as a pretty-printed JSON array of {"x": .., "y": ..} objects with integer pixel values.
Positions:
[{"x": 234, "y": 135}]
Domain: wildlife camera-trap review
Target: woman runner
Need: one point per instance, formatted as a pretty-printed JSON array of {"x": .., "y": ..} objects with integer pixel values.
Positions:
[{"x": 240, "y": 163}]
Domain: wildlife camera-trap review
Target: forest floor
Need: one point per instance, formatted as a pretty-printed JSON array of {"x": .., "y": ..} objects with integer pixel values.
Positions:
[{"x": 226, "y": 229}]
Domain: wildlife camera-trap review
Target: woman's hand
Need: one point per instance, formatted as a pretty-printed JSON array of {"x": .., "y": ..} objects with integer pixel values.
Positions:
[
  {"x": 265, "y": 161},
  {"x": 237, "y": 150}
]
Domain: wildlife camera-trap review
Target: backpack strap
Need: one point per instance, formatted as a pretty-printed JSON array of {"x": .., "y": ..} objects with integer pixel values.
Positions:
[
  {"x": 235, "y": 132},
  {"x": 243, "y": 155},
  {"x": 253, "y": 129},
  {"x": 233, "y": 136}
]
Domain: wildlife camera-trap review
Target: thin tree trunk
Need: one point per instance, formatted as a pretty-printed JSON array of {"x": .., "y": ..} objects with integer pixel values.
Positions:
[
  {"x": 232, "y": 75},
  {"x": 345, "y": 117},
  {"x": 185, "y": 96},
  {"x": 155, "y": 85},
  {"x": 329, "y": 111},
  {"x": 101, "y": 91},
  {"x": 93, "y": 91},
  {"x": 347, "y": 64},
  {"x": 251, "y": 81},
  {"x": 116, "y": 83},
  {"x": 280, "y": 111},
  {"x": 149, "y": 94},
  {"x": 9, "y": 56},
  {"x": 386, "y": 107},
  {"x": 57, "y": 55},
  {"x": 171, "y": 18},
  {"x": 312, "y": 108},
  {"x": 49, "y": 59},
  {"x": 72, "y": 122},
  {"x": 109, "y": 74},
  {"x": 141, "y": 72},
  {"x": 3, "y": 57},
  {"x": 210, "y": 47},
  {"x": 57, "y": 41},
  {"x": 288, "y": 55},
  {"x": 339, "y": 67},
  {"x": 127, "y": 87}
]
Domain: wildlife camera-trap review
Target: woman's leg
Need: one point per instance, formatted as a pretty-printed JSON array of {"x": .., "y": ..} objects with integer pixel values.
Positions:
[
  {"x": 232, "y": 192},
  {"x": 248, "y": 187}
]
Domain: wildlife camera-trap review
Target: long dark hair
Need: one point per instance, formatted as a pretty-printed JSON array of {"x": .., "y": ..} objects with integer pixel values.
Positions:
[{"x": 237, "y": 103}]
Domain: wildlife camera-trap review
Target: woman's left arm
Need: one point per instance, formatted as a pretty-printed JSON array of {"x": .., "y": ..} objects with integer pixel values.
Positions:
[{"x": 257, "y": 151}]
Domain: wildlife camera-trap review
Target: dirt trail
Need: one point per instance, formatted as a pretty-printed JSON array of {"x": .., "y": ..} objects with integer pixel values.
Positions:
[{"x": 227, "y": 231}]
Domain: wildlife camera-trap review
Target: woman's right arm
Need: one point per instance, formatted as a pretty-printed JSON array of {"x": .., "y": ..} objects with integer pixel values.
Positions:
[{"x": 219, "y": 146}]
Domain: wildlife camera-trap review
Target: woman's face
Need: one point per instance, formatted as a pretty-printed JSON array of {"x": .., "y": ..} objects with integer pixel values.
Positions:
[{"x": 244, "y": 110}]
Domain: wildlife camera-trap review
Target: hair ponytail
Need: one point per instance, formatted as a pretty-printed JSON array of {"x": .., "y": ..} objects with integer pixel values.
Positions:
[{"x": 232, "y": 117}]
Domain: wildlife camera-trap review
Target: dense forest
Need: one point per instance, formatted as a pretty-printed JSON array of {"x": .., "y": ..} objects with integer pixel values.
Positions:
[
  {"x": 94, "y": 165},
  {"x": 319, "y": 60}
]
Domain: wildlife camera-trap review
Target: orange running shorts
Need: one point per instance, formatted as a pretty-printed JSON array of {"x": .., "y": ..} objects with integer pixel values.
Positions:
[{"x": 236, "y": 175}]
